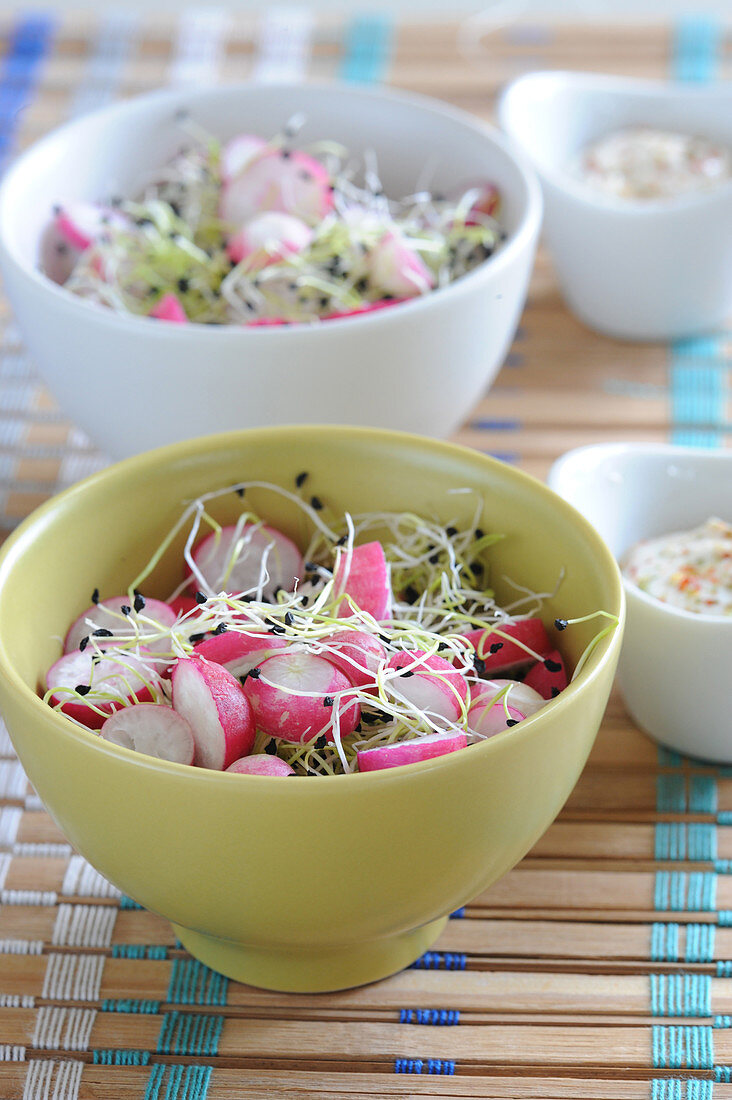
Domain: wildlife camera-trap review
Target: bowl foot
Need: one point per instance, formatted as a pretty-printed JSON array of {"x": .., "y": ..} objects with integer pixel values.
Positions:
[{"x": 311, "y": 970}]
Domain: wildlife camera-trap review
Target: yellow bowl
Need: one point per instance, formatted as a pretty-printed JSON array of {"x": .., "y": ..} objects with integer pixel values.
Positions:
[{"x": 334, "y": 881}]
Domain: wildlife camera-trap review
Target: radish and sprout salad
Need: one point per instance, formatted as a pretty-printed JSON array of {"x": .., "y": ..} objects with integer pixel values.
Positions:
[
  {"x": 378, "y": 644},
  {"x": 260, "y": 231}
]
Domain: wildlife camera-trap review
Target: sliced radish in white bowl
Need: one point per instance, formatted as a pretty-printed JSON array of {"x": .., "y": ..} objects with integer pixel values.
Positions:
[
  {"x": 110, "y": 617},
  {"x": 153, "y": 729},
  {"x": 429, "y": 683},
  {"x": 289, "y": 182},
  {"x": 105, "y": 683},
  {"x": 261, "y": 764},
  {"x": 298, "y": 696},
  {"x": 213, "y": 703},
  {"x": 241, "y": 560},
  {"x": 410, "y": 752}
]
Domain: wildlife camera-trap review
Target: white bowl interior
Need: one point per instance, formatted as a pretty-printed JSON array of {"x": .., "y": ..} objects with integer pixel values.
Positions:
[{"x": 417, "y": 142}]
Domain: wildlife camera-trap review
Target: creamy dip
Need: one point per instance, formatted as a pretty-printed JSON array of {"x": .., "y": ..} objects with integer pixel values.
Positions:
[
  {"x": 641, "y": 163},
  {"x": 688, "y": 569}
]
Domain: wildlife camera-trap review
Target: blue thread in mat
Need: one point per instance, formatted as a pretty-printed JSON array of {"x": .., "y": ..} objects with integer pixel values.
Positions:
[
  {"x": 441, "y": 1066},
  {"x": 681, "y": 995},
  {"x": 664, "y": 942},
  {"x": 682, "y": 1046},
  {"x": 181, "y": 1082},
  {"x": 130, "y": 1005},
  {"x": 435, "y": 1017},
  {"x": 29, "y": 42},
  {"x": 120, "y": 1057},
  {"x": 126, "y": 902},
  {"x": 502, "y": 424},
  {"x": 698, "y": 392},
  {"x": 192, "y": 983},
  {"x": 510, "y": 457},
  {"x": 700, "y": 940},
  {"x": 458, "y": 914},
  {"x": 434, "y": 960},
  {"x": 671, "y": 794},
  {"x": 190, "y": 1033},
  {"x": 696, "y": 49},
  {"x": 367, "y": 49}
]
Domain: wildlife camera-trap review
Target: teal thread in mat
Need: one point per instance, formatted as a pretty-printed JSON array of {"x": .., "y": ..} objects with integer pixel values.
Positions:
[
  {"x": 683, "y": 1046},
  {"x": 190, "y": 1033},
  {"x": 671, "y": 1088},
  {"x": 699, "y": 392},
  {"x": 178, "y": 1082},
  {"x": 697, "y": 47},
  {"x": 192, "y": 983},
  {"x": 367, "y": 49}
]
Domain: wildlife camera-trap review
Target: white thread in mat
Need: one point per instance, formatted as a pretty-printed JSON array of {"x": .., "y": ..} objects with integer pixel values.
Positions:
[
  {"x": 6, "y": 745},
  {"x": 75, "y": 466},
  {"x": 13, "y": 780},
  {"x": 9, "y": 824},
  {"x": 42, "y": 851},
  {"x": 17, "y": 1000},
  {"x": 283, "y": 44},
  {"x": 33, "y": 803},
  {"x": 73, "y": 977},
  {"x": 5, "y": 861},
  {"x": 84, "y": 926},
  {"x": 21, "y": 947},
  {"x": 199, "y": 46},
  {"x": 28, "y": 897},
  {"x": 83, "y": 880},
  {"x": 104, "y": 68},
  {"x": 63, "y": 1028},
  {"x": 42, "y": 1074},
  {"x": 12, "y": 1053}
]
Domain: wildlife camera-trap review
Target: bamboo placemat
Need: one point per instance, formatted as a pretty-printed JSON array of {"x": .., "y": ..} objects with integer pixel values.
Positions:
[{"x": 600, "y": 967}]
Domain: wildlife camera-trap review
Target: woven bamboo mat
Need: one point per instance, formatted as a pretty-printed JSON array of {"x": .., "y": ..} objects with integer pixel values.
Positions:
[{"x": 600, "y": 967}]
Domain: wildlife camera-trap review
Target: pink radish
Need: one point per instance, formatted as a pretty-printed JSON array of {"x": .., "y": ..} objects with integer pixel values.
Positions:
[
  {"x": 298, "y": 696},
  {"x": 395, "y": 267},
  {"x": 107, "y": 616},
  {"x": 487, "y": 203},
  {"x": 169, "y": 308},
  {"x": 268, "y": 239},
  {"x": 265, "y": 557},
  {"x": 153, "y": 729},
  {"x": 519, "y": 695},
  {"x": 430, "y": 684},
  {"x": 410, "y": 752},
  {"x": 214, "y": 704},
  {"x": 487, "y": 718},
  {"x": 367, "y": 307},
  {"x": 119, "y": 677},
  {"x": 74, "y": 228},
  {"x": 261, "y": 764},
  {"x": 363, "y": 574},
  {"x": 240, "y": 652},
  {"x": 289, "y": 182},
  {"x": 549, "y": 676},
  {"x": 183, "y": 604},
  {"x": 499, "y": 654},
  {"x": 240, "y": 152},
  {"x": 357, "y": 654}
]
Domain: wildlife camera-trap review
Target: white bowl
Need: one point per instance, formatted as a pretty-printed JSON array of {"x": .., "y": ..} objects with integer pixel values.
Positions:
[
  {"x": 675, "y": 666},
  {"x": 133, "y": 383},
  {"x": 652, "y": 270}
]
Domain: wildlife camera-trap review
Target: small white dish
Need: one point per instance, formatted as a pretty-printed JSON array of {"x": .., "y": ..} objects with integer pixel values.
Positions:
[
  {"x": 675, "y": 668},
  {"x": 638, "y": 270}
]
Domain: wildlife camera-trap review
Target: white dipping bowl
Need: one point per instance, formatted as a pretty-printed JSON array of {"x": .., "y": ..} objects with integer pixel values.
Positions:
[
  {"x": 638, "y": 270},
  {"x": 675, "y": 666},
  {"x": 133, "y": 383}
]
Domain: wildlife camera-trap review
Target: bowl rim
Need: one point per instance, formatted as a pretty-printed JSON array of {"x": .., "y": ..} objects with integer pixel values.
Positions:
[
  {"x": 639, "y": 88},
  {"x": 526, "y": 230},
  {"x": 601, "y": 655},
  {"x": 579, "y": 456}
]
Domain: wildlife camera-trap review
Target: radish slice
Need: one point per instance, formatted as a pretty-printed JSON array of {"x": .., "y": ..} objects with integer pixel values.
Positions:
[
  {"x": 268, "y": 239},
  {"x": 214, "y": 704},
  {"x": 507, "y": 655},
  {"x": 261, "y": 764},
  {"x": 107, "y": 675},
  {"x": 183, "y": 604},
  {"x": 357, "y": 654},
  {"x": 519, "y": 695},
  {"x": 290, "y": 182},
  {"x": 363, "y": 574},
  {"x": 107, "y": 615},
  {"x": 265, "y": 557},
  {"x": 487, "y": 203},
  {"x": 297, "y": 696},
  {"x": 430, "y": 683},
  {"x": 368, "y": 307},
  {"x": 153, "y": 729},
  {"x": 239, "y": 652},
  {"x": 239, "y": 152},
  {"x": 410, "y": 752},
  {"x": 395, "y": 268},
  {"x": 487, "y": 718},
  {"x": 549, "y": 676},
  {"x": 169, "y": 308},
  {"x": 73, "y": 229}
]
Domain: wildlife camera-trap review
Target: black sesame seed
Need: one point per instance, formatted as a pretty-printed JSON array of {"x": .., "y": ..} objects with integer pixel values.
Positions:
[
  {"x": 254, "y": 673},
  {"x": 479, "y": 533},
  {"x": 201, "y": 597},
  {"x": 56, "y": 209},
  {"x": 433, "y": 559},
  {"x": 95, "y": 596},
  {"x": 411, "y": 594},
  {"x": 324, "y": 301},
  {"x": 357, "y": 728},
  {"x": 561, "y": 624},
  {"x": 552, "y": 666},
  {"x": 285, "y": 154},
  {"x": 277, "y": 630},
  {"x": 304, "y": 600},
  {"x": 181, "y": 114},
  {"x": 476, "y": 568},
  {"x": 555, "y": 692},
  {"x": 301, "y": 479},
  {"x": 494, "y": 648},
  {"x": 220, "y": 629},
  {"x": 342, "y": 540},
  {"x": 240, "y": 492},
  {"x": 316, "y": 503},
  {"x": 62, "y": 248},
  {"x": 387, "y": 298},
  {"x": 196, "y": 638},
  {"x": 321, "y": 743},
  {"x": 271, "y": 747},
  {"x": 83, "y": 643},
  {"x": 304, "y": 174},
  {"x": 243, "y": 679},
  {"x": 142, "y": 222},
  {"x": 328, "y": 701},
  {"x": 512, "y": 721},
  {"x": 451, "y": 532},
  {"x": 139, "y": 602},
  {"x": 175, "y": 207},
  {"x": 362, "y": 285},
  {"x": 289, "y": 618},
  {"x": 479, "y": 664},
  {"x": 102, "y": 633},
  {"x": 409, "y": 672},
  {"x": 183, "y": 285},
  {"x": 125, "y": 609},
  {"x": 116, "y": 200},
  {"x": 83, "y": 689}
]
